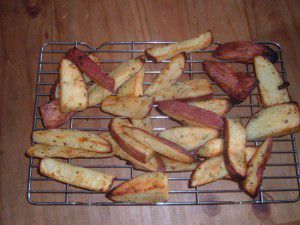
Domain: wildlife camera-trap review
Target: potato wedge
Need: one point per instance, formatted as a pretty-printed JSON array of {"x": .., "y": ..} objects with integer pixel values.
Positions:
[
  {"x": 168, "y": 75},
  {"x": 269, "y": 83},
  {"x": 134, "y": 86},
  {"x": 49, "y": 151},
  {"x": 191, "y": 115},
  {"x": 131, "y": 107},
  {"x": 189, "y": 138},
  {"x": 135, "y": 149},
  {"x": 54, "y": 91},
  {"x": 73, "y": 139},
  {"x": 176, "y": 166},
  {"x": 250, "y": 150},
  {"x": 188, "y": 90},
  {"x": 212, "y": 148},
  {"x": 160, "y": 53},
  {"x": 244, "y": 51},
  {"x": 143, "y": 123},
  {"x": 72, "y": 87},
  {"x": 145, "y": 188},
  {"x": 274, "y": 121},
  {"x": 160, "y": 145},
  {"x": 90, "y": 68},
  {"x": 237, "y": 85},
  {"x": 52, "y": 116},
  {"x": 96, "y": 60},
  {"x": 96, "y": 94},
  {"x": 154, "y": 164},
  {"x": 234, "y": 149},
  {"x": 219, "y": 106},
  {"x": 76, "y": 176},
  {"x": 256, "y": 167}
]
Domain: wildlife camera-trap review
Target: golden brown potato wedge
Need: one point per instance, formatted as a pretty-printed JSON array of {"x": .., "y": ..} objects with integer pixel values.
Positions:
[
  {"x": 277, "y": 120},
  {"x": 76, "y": 176},
  {"x": 131, "y": 107},
  {"x": 270, "y": 83},
  {"x": 73, "y": 139},
  {"x": 189, "y": 138},
  {"x": 168, "y": 75},
  {"x": 135, "y": 149},
  {"x": 160, "y": 145},
  {"x": 186, "y": 91},
  {"x": 256, "y": 167},
  {"x": 145, "y": 188},
  {"x": 219, "y": 106},
  {"x": 72, "y": 87},
  {"x": 176, "y": 166},
  {"x": 160, "y": 53},
  {"x": 250, "y": 150},
  {"x": 50, "y": 151},
  {"x": 143, "y": 123},
  {"x": 234, "y": 148},
  {"x": 97, "y": 94},
  {"x": 212, "y": 148},
  {"x": 191, "y": 115}
]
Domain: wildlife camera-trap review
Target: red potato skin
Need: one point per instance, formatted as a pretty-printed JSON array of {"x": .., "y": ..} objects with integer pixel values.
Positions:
[
  {"x": 53, "y": 90},
  {"x": 51, "y": 115},
  {"x": 161, "y": 167},
  {"x": 244, "y": 51},
  {"x": 183, "y": 110},
  {"x": 90, "y": 68},
  {"x": 237, "y": 85}
]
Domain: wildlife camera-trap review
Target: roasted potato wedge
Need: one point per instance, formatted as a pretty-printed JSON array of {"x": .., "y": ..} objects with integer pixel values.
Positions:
[
  {"x": 274, "y": 121},
  {"x": 250, "y": 150},
  {"x": 131, "y": 107},
  {"x": 96, "y": 94},
  {"x": 270, "y": 82},
  {"x": 172, "y": 165},
  {"x": 256, "y": 167},
  {"x": 244, "y": 51},
  {"x": 72, "y": 87},
  {"x": 72, "y": 139},
  {"x": 168, "y": 75},
  {"x": 49, "y": 151},
  {"x": 219, "y": 106},
  {"x": 212, "y": 148},
  {"x": 188, "y": 90},
  {"x": 191, "y": 115},
  {"x": 234, "y": 148},
  {"x": 96, "y": 60},
  {"x": 189, "y": 138},
  {"x": 143, "y": 123},
  {"x": 90, "y": 68},
  {"x": 52, "y": 116},
  {"x": 237, "y": 85},
  {"x": 159, "y": 145},
  {"x": 145, "y": 188},
  {"x": 76, "y": 176},
  {"x": 160, "y": 53},
  {"x": 54, "y": 91}
]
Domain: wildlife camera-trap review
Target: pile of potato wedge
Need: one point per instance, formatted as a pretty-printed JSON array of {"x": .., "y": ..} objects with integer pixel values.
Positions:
[{"x": 208, "y": 144}]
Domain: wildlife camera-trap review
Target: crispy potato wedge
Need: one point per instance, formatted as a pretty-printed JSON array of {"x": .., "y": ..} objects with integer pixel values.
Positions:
[
  {"x": 131, "y": 107},
  {"x": 168, "y": 75},
  {"x": 212, "y": 148},
  {"x": 135, "y": 149},
  {"x": 219, "y": 106},
  {"x": 73, "y": 139},
  {"x": 72, "y": 87},
  {"x": 188, "y": 90},
  {"x": 160, "y": 53},
  {"x": 76, "y": 176},
  {"x": 125, "y": 71},
  {"x": 270, "y": 82},
  {"x": 90, "y": 68},
  {"x": 160, "y": 145},
  {"x": 96, "y": 94},
  {"x": 176, "y": 166},
  {"x": 250, "y": 150},
  {"x": 191, "y": 115},
  {"x": 244, "y": 51},
  {"x": 237, "y": 85},
  {"x": 134, "y": 86},
  {"x": 145, "y": 188},
  {"x": 189, "y": 138},
  {"x": 49, "y": 151},
  {"x": 143, "y": 123},
  {"x": 52, "y": 116},
  {"x": 234, "y": 148},
  {"x": 274, "y": 121},
  {"x": 256, "y": 167}
]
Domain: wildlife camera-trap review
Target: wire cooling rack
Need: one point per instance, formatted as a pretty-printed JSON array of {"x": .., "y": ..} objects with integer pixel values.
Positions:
[{"x": 281, "y": 177}]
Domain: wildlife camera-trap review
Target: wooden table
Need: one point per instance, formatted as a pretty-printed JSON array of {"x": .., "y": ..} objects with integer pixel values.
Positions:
[{"x": 25, "y": 25}]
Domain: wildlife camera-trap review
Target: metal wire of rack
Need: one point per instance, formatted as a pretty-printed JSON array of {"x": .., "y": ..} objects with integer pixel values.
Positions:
[{"x": 281, "y": 182}]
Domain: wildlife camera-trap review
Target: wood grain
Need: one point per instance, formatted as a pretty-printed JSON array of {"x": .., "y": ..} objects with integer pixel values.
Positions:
[{"x": 25, "y": 25}]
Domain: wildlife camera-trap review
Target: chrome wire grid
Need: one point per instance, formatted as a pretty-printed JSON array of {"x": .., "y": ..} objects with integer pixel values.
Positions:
[{"x": 281, "y": 178}]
